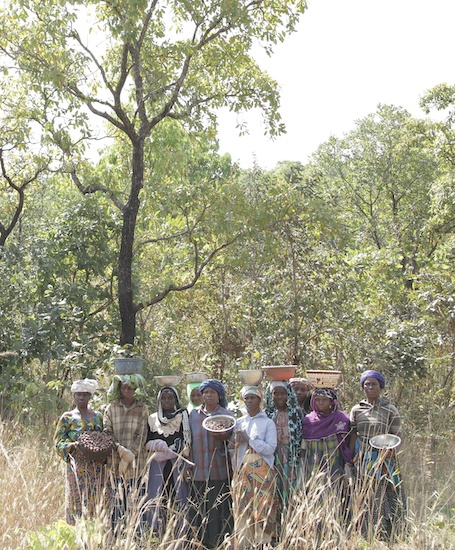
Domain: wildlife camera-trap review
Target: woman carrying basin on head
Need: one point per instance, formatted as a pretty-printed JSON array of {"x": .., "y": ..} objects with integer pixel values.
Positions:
[
  {"x": 168, "y": 436},
  {"x": 325, "y": 438},
  {"x": 254, "y": 486},
  {"x": 282, "y": 408},
  {"x": 126, "y": 420}
]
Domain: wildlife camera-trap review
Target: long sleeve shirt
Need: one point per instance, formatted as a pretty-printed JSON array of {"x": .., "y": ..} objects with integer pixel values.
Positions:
[
  {"x": 128, "y": 425},
  {"x": 209, "y": 454},
  {"x": 70, "y": 426},
  {"x": 262, "y": 437}
]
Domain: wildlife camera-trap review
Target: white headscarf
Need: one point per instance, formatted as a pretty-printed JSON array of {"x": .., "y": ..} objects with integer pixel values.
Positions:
[{"x": 87, "y": 385}]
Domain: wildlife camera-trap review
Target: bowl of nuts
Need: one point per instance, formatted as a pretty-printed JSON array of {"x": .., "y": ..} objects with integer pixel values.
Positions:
[
  {"x": 96, "y": 445},
  {"x": 219, "y": 423}
]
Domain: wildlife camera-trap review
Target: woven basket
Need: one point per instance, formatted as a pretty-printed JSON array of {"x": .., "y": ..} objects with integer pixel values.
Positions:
[
  {"x": 95, "y": 445},
  {"x": 324, "y": 378}
]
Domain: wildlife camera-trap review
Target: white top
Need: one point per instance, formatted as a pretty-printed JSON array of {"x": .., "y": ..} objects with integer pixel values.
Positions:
[{"x": 262, "y": 437}]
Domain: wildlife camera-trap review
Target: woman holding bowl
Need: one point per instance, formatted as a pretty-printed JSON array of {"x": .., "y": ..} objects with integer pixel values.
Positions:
[
  {"x": 210, "y": 503},
  {"x": 381, "y": 487},
  {"x": 84, "y": 478}
]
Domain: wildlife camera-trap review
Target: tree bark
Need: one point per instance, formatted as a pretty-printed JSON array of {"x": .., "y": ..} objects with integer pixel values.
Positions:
[{"x": 125, "y": 261}]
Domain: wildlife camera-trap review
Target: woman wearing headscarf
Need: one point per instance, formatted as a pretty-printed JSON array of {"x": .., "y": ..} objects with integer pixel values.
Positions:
[
  {"x": 210, "y": 503},
  {"x": 84, "y": 478},
  {"x": 282, "y": 408},
  {"x": 381, "y": 485},
  {"x": 168, "y": 436},
  {"x": 194, "y": 395},
  {"x": 325, "y": 434},
  {"x": 126, "y": 420},
  {"x": 254, "y": 487}
]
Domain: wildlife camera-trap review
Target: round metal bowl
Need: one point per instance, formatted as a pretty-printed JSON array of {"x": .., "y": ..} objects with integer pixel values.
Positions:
[
  {"x": 226, "y": 423},
  {"x": 280, "y": 372},
  {"x": 168, "y": 380},
  {"x": 385, "y": 441},
  {"x": 128, "y": 365},
  {"x": 251, "y": 377},
  {"x": 192, "y": 377}
]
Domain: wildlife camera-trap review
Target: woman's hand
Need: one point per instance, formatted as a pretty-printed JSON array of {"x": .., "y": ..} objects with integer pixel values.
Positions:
[
  {"x": 157, "y": 445},
  {"x": 72, "y": 447},
  {"x": 125, "y": 454},
  {"x": 241, "y": 436},
  {"x": 223, "y": 436},
  {"x": 188, "y": 473}
]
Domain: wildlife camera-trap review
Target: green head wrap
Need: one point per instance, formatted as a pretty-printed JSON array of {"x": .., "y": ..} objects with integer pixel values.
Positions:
[{"x": 135, "y": 381}]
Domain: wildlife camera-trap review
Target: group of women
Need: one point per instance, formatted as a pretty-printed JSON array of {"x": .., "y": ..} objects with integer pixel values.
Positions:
[{"x": 201, "y": 485}]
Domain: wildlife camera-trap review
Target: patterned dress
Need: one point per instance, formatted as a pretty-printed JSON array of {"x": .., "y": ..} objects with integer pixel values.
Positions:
[
  {"x": 254, "y": 487},
  {"x": 84, "y": 478},
  {"x": 323, "y": 455},
  {"x": 380, "y": 477}
]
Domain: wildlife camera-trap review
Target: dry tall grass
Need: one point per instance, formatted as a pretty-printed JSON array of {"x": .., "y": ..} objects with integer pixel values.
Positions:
[{"x": 32, "y": 505}]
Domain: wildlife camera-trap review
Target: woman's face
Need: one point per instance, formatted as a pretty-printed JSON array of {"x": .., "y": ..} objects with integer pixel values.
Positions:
[
  {"x": 127, "y": 392},
  {"x": 168, "y": 401},
  {"x": 322, "y": 403},
  {"x": 280, "y": 398},
  {"x": 253, "y": 404},
  {"x": 372, "y": 389},
  {"x": 211, "y": 397},
  {"x": 196, "y": 397},
  {"x": 301, "y": 391},
  {"x": 81, "y": 398}
]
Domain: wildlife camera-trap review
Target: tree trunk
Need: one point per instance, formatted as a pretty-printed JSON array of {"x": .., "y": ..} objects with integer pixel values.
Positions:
[{"x": 125, "y": 261}]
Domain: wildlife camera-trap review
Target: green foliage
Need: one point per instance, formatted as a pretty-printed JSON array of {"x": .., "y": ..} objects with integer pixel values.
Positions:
[{"x": 60, "y": 536}]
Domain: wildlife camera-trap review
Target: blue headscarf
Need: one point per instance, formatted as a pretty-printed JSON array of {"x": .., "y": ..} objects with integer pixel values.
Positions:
[
  {"x": 218, "y": 387},
  {"x": 372, "y": 374}
]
